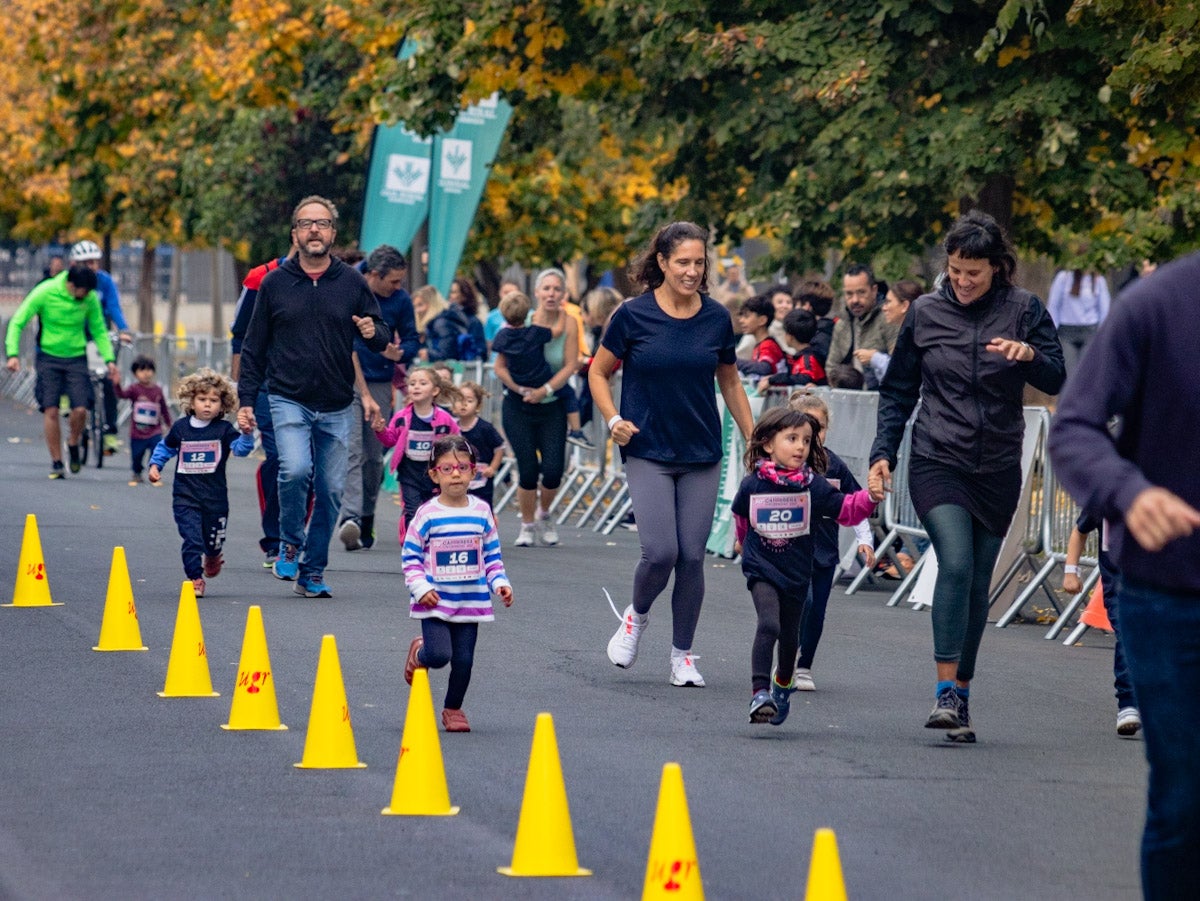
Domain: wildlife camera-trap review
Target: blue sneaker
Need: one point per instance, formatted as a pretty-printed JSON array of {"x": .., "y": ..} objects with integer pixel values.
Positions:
[
  {"x": 286, "y": 566},
  {"x": 782, "y": 696},
  {"x": 312, "y": 587},
  {"x": 762, "y": 708}
]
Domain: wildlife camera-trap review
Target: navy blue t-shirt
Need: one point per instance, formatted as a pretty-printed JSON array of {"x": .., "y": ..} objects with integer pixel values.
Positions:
[
  {"x": 203, "y": 453},
  {"x": 667, "y": 370},
  {"x": 486, "y": 440},
  {"x": 773, "y": 551},
  {"x": 826, "y": 553},
  {"x": 524, "y": 349}
]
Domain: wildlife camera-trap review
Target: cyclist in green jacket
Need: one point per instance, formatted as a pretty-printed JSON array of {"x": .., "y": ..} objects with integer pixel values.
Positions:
[{"x": 67, "y": 305}]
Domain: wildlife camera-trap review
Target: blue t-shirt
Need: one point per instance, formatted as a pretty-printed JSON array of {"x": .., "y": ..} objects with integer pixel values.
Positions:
[
  {"x": 667, "y": 374},
  {"x": 524, "y": 351}
]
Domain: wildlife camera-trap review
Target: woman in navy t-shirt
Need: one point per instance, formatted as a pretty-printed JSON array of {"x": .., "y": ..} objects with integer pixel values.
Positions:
[{"x": 670, "y": 342}]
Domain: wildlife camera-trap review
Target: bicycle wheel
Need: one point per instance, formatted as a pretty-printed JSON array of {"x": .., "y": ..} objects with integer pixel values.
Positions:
[{"x": 84, "y": 441}]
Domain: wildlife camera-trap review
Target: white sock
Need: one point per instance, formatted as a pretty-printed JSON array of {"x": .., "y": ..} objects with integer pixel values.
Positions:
[{"x": 677, "y": 654}]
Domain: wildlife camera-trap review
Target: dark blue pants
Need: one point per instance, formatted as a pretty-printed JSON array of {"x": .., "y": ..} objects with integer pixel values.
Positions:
[
  {"x": 1161, "y": 635},
  {"x": 1123, "y": 686},
  {"x": 812, "y": 623},
  {"x": 138, "y": 448},
  {"x": 452, "y": 643},
  {"x": 268, "y": 476},
  {"x": 203, "y": 532}
]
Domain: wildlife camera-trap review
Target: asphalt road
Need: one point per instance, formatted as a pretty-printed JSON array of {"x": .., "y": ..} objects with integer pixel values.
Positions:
[{"x": 109, "y": 791}]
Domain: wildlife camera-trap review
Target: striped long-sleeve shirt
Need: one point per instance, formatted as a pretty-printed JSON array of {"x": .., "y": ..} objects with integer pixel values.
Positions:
[{"x": 456, "y": 552}]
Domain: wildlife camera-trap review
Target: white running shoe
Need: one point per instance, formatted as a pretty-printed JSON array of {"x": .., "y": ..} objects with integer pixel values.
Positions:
[
  {"x": 803, "y": 680},
  {"x": 1129, "y": 721},
  {"x": 527, "y": 537},
  {"x": 549, "y": 533},
  {"x": 623, "y": 646},
  {"x": 684, "y": 672}
]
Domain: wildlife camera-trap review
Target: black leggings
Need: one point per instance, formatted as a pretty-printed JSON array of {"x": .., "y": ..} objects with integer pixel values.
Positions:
[
  {"x": 537, "y": 434},
  {"x": 778, "y": 623},
  {"x": 452, "y": 643}
]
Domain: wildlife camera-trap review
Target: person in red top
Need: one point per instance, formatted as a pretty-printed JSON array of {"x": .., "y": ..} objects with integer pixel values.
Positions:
[
  {"x": 803, "y": 365},
  {"x": 754, "y": 318}
]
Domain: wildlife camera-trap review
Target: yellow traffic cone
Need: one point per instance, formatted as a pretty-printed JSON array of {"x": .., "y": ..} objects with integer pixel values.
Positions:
[
  {"x": 329, "y": 744},
  {"x": 32, "y": 588},
  {"x": 187, "y": 667},
  {"x": 825, "y": 881},
  {"x": 119, "y": 630},
  {"x": 545, "y": 844},
  {"x": 254, "y": 705},
  {"x": 420, "y": 789},
  {"x": 672, "y": 870}
]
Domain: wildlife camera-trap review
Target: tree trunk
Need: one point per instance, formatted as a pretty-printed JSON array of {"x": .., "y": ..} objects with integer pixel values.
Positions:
[
  {"x": 218, "y": 312},
  {"x": 418, "y": 262},
  {"x": 145, "y": 292},
  {"x": 996, "y": 199},
  {"x": 176, "y": 285}
]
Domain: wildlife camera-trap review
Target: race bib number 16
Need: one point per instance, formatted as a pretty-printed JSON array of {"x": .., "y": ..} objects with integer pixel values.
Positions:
[
  {"x": 780, "y": 515},
  {"x": 456, "y": 559}
]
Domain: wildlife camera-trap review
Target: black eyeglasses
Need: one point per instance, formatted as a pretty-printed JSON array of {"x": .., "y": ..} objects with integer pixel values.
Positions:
[{"x": 306, "y": 224}]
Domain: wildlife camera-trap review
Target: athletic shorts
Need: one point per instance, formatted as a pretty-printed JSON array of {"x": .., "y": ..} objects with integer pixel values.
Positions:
[{"x": 57, "y": 376}]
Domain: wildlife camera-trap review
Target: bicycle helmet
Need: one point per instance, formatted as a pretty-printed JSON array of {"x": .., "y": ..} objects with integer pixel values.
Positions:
[{"x": 85, "y": 250}]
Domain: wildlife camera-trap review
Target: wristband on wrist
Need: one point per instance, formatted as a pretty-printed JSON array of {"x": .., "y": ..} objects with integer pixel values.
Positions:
[
  {"x": 613, "y": 420},
  {"x": 549, "y": 390},
  {"x": 1071, "y": 570}
]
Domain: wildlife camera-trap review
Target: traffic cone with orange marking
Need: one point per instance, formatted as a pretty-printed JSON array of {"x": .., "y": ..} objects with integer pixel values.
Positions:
[
  {"x": 187, "y": 667},
  {"x": 420, "y": 788},
  {"x": 254, "y": 705},
  {"x": 545, "y": 844},
  {"x": 329, "y": 744},
  {"x": 119, "y": 630},
  {"x": 825, "y": 882},
  {"x": 1094, "y": 614},
  {"x": 32, "y": 588},
  {"x": 672, "y": 870}
]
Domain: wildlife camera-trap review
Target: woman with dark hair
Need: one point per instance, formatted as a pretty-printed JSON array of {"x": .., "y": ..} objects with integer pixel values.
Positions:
[
  {"x": 464, "y": 296},
  {"x": 966, "y": 350},
  {"x": 671, "y": 342}
]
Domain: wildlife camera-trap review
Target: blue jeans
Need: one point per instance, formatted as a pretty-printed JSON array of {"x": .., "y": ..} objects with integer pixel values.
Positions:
[
  {"x": 313, "y": 451},
  {"x": 1160, "y": 632}
]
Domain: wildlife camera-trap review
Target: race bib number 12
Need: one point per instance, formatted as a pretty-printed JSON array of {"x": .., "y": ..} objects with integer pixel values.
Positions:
[{"x": 198, "y": 457}]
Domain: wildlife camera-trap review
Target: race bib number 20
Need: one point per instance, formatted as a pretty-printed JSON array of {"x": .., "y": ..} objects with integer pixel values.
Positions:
[{"x": 780, "y": 515}]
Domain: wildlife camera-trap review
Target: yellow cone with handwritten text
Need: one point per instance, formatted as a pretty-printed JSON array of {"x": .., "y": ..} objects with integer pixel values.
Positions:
[
  {"x": 825, "y": 881},
  {"x": 545, "y": 844},
  {"x": 187, "y": 667},
  {"x": 329, "y": 744},
  {"x": 32, "y": 588},
  {"x": 420, "y": 789},
  {"x": 254, "y": 705},
  {"x": 119, "y": 630},
  {"x": 672, "y": 870}
]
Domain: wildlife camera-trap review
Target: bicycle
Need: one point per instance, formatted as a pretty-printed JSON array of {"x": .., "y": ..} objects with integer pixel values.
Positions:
[{"x": 93, "y": 430}]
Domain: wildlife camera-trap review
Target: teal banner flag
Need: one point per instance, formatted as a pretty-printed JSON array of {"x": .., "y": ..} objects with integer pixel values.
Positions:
[
  {"x": 397, "y": 198},
  {"x": 462, "y": 159}
]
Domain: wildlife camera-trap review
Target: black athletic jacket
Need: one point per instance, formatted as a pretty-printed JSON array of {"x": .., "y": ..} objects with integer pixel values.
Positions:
[{"x": 971, "y": 414}]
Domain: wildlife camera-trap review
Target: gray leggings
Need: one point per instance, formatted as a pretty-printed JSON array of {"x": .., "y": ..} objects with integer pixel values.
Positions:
[
  {"x": 673, "y": 506},
  {"x": 966, "y": 555}
]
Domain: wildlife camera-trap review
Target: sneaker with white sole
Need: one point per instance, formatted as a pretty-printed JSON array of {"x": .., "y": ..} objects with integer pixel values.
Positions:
[
  {"x": 803, "y": 680},
  {"x": 549, "y": 533},
  {"x": 964, "y": 733},
  {"x": 762, "y": 708},
  {"x": 349, "y": 534},
  {"x": 684, "y": 672},
  {"x": 945, "y": 712},
  {"x": 312, "y": 587},
  {"x": 527, "y": 536},
  {"x": 623, "y": 646},
  {"x": 287, "y": 564},
  {"x": 1129, "y": 721}
]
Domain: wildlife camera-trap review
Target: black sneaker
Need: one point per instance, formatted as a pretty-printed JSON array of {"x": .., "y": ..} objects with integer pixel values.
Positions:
[
  {"x": 963, "y": 734},
  {"x": 57, "y": 470},
  {"x": 945, "y": 712},
  {"x": 579, "y": 439},
  {"x": 73, "y": 450}
]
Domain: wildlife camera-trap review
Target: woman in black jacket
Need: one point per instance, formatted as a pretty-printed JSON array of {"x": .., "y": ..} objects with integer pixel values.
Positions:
[{"x": 966, "y": 350}]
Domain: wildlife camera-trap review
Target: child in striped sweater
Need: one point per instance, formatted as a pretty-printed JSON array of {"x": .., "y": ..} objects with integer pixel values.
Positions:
[{"x": 452, "y": 566}]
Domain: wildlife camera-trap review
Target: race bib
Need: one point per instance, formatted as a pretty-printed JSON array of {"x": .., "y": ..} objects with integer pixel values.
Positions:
[
  {"x": 780, "y": 515},
  {"x": 145, "y": 412},
  {"x": 199, "y": 457},
  {"x": 479, "y": 479},
  {"x": 456, "y": 559},
  {"x": 419, "y": 446}
]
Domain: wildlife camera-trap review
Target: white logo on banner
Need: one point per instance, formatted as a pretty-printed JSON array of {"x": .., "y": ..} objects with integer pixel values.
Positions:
[
  {"x": 483, "y": 111},
  {"x": 407, "y": 178},
  {"x": 454, "y": 176}
]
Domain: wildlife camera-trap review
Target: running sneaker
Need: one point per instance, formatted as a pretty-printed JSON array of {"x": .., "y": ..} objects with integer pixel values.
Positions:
[
  {"x": 1129, "y": 721},
  {"x": 580, "y": 439},
  {"x": 527, "y": 536},
  {"x": 455, "y": 721},
  {"x": 964, "y": 733},
  {"x": 57, "y": 470},
  {"x": 135, "y": 480},
  {"x": 945, "y": 712},
  {"x": 684, "y": 672},
  {"x": 112, "y": 444},
  {"x": 212, "y": 565},
  {"x": 286, "y": 566},
  {"x": 367, "y": 528},
  {"x": 199, "y": 585},
  {"x": 76, "y": 461},
  {"x": 311, "y": 587},
  {"x": 762, "y": 708},
  {"x": 412, "y": 662},
  {"x": 623, "y": 646},
  {"x": 269, "y": 558},
  {"x": 549, "y": 533},
  {"x": 349, "y": 534},
  {"x": 803, "y": 680},
  {"x": 781, "y": 695}
]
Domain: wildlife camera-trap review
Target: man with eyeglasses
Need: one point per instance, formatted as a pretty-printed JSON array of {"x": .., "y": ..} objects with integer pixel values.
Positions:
[
  {"x": 863, "y": 326},
  {"x": 300, "y": 343}
]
